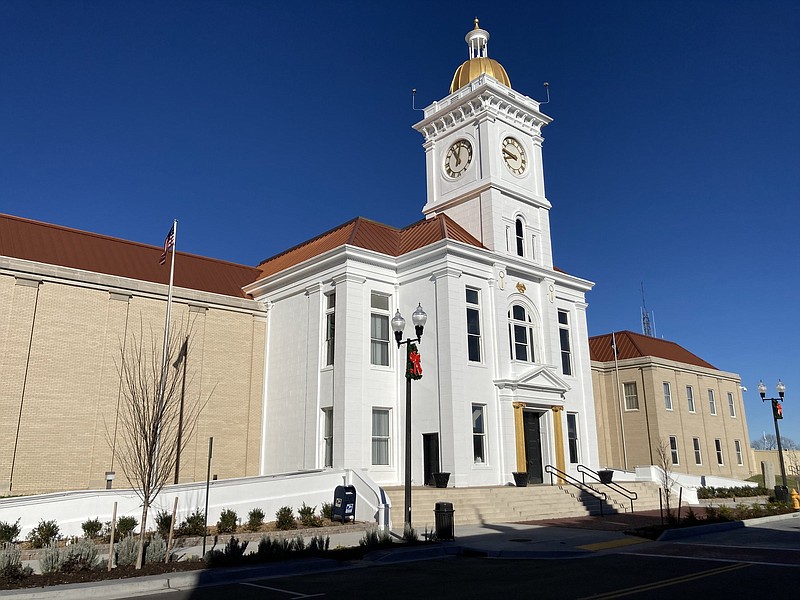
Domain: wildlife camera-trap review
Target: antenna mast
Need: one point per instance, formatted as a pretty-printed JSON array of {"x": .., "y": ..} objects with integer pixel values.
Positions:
[{"x": 646, "y": 327}]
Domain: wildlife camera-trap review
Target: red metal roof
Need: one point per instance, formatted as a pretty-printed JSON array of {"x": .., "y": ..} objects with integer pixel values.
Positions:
[
  {"x": 371, "y": 235},
  {"x": 636, "y": 345},
  {"x": 56, "y": 245}
]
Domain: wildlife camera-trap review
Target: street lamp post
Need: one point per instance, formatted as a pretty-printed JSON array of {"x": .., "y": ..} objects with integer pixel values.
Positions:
[
  {"x": 419, "y": 318},
  {"x": 777, "y": 412}
]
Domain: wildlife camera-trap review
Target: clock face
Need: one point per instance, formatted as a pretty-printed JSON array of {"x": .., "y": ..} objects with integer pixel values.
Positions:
[
  {"x": 514, "y": 156},
  {"x": 457, "y": 159}
]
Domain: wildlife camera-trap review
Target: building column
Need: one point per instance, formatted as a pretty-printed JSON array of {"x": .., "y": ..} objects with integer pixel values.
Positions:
[
  {"x": 558, "y": 437},
  {"x": 519, "y": 436}
]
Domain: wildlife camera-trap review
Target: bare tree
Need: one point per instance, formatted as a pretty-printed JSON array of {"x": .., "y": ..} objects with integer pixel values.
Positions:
[
  {"x": 768, "y": 441},
  {"x": 154, "y": 425},
  {"x": 664, "y": 462}
]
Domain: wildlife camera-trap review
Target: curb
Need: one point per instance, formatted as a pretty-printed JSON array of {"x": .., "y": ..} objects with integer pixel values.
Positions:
[{"x": 686, "y": 532}]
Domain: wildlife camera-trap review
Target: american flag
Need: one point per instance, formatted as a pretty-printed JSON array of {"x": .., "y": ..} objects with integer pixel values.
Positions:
[{"x": 169, "y": 244}]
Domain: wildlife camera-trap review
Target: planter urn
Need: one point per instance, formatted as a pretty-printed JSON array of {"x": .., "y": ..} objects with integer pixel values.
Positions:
[
  {"x": 520, "y": 478},
  {"x": 605, "y": 476},
  {"x": 441, "y": 479}
]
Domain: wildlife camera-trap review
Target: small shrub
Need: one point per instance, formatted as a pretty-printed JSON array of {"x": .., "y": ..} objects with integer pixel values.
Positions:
[
  {"x": 227, "y": 521},
  {"x": 92, "y": 528},
  {"x": 43, "y": 534},
  {"x": 126, "y": 525},
  {"x": 319, "y": 544},
  {"x": 691, "y": 517},
  {"x": 127, "y": 551},
  {"x": 255, "y": 519},
  {"x": 156, "y": 549},
  {"x": 375, "y": 538},
  {"x": 11, "y": 562},
  {"x": 8, "y": 532},
  {"x": 307, "y": 516},
  {"x": 326, "y": 510},
  {"x": 81, "y": 556},
  {"x": 163, "y": 521},
  {"x": 195, "y": 524},
  {"x": 299, "y": 543},
  {"x": 51, "y": 559},
  {"x": 231, "y": 554},
  {"x": 284, "y": 518},
  {"x": 273, "y": 548},
  {"x": 725, "y": 513},
  {"x": 409, "y": 534}
]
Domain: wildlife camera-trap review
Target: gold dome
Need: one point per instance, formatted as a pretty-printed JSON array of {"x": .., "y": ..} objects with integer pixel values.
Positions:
[{"x": 479, "y": 61}]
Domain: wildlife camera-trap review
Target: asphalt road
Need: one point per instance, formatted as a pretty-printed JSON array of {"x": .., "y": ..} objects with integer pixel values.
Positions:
[{"x": 749, "y": 562}]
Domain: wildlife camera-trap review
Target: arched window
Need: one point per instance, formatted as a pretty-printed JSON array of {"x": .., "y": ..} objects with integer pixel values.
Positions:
[
  {"x": 520, "y": 237},
  {"x": 520, "y": 334}
]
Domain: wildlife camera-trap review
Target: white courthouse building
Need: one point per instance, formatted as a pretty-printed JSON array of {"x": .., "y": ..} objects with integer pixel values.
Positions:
[
  {"x": 506, "y": 380},
  {"x": 299, "y": 349}
]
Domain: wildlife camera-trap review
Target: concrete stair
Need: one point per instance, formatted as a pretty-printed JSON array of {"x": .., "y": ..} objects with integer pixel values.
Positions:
[{"x": 509, "y": 504}]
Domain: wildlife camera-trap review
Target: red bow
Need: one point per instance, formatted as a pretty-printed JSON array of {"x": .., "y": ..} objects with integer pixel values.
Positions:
[{"x": 414, "y": 367}]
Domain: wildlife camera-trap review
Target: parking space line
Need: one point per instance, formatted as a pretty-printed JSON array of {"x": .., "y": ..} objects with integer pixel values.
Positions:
[{"x": 272, "y": 589}]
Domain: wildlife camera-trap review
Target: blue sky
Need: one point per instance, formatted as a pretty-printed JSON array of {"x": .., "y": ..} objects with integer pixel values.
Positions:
[{"x": 672, "y": 161}]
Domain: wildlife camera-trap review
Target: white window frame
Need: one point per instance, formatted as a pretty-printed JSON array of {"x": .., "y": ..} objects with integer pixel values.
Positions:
[
  {"x": 573, "y": 439},
  {"x": 712, "y": 403},
  {"x": 381, "y": 440},
  {"x": 519, "y": 237},
  {"x": 327, "y": 437},
  {"x": 698, "y": 452},
  {"x": 731, "y": 405},
  {"x": 673, "y": 450},
  {"x": 329, "y": 334},
  {"x": 718, "y": 449},
  {"x": 474, "y": 307},
  {"x": 479, "y": 434},
  {"x": 667, "y": 395},
  {"x": 564, "y": 336},
  {"x": 631, "y": 400},
  {"x": 737, "y": 446},
  {"x": 525, "y": 326},
  {"x": 381, "y": 344},
  {"x": 690, "y": 398}
]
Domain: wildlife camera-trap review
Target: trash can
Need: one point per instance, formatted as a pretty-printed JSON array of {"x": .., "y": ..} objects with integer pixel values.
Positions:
[
  {"x": 344, "y": 503},
  {"x": 444, "y": 521}
]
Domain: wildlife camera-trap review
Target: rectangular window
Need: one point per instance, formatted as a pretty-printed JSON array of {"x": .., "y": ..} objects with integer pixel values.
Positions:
[
  {"x": 731, "y": 406},
  {"x": 473, "y": 325},
  {"x": 673, "y": 449},
  {"x": 718, "y": 446},
  {"x": 712, "y": 403},
  {"x": 327, "y": 438},
  {"x": 737, "y": 445},
  {"x": 566, "y": 349},
  {"x": 667, "y": 396},
  {"x": 380, "y": 436},
  {"x": 330, "y": 327},
  {"x": 698, "y": 457},
  {"x": 379, "y": 330},
  {"x": 631, "y": 397},
  {"x": 690, "y": 398},
  {"x": 478, "y": 434},
  {"x": 572, "y": 437}
]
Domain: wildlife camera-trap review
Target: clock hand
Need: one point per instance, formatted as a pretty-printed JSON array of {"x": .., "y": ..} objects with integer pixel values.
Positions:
[{"x": 510, "y": 154}]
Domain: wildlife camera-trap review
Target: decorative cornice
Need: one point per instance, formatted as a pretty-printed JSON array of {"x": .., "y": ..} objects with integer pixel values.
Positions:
[{"x": 485, "y": 96}]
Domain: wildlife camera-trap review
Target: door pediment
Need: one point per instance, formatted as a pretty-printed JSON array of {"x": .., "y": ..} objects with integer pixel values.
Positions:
[{"x": 537, "y": 379}]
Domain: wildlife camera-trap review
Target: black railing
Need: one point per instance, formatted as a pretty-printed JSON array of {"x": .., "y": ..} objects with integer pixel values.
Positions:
[
  {"x": 630, "y": 495},
  {"x": 567, "y": 478}
]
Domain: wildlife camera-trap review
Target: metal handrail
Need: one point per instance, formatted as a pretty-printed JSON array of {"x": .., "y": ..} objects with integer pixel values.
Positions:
[
  {"x": 601, "y": 496},
  {"x": 630, "y": 495}
]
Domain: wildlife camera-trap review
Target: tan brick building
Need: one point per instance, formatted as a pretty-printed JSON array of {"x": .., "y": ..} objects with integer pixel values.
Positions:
[
  {"x": 68, "y": 299},
  {"x": 652, "y": 392}
]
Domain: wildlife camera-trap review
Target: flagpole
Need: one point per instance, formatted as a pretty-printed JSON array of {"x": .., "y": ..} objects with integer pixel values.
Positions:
[
  {"x": 165, "y": 358},
  {"x": 619, "y": 402}
]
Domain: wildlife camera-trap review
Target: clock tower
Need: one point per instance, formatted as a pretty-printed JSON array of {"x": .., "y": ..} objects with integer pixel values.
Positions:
[{"x": 483, "y": 148}]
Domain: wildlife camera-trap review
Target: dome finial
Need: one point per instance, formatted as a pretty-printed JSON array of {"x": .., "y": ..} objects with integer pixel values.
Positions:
[{"x": 476, "y": 23}]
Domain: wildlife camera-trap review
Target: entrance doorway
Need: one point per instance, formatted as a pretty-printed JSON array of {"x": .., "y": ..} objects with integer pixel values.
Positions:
[
  {"x": 533, "y": 446},
  {"x": 430, "y": 456}
]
